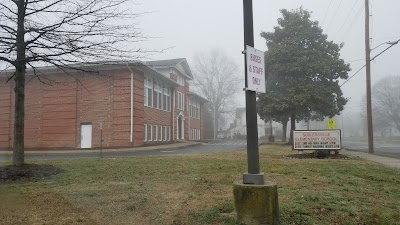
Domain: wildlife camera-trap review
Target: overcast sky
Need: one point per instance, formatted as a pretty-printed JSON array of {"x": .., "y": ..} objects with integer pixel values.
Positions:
[{"x": 189, "y": 26}]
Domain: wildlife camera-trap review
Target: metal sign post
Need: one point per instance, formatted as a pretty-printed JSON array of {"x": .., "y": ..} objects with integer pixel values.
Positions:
[
  {"x": 253, "y": 175},
  {"x": 256, "y": 200}
]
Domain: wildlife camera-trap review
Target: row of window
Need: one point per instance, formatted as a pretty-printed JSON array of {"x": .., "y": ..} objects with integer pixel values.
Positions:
[
  {"x": 194, "y": 109},
  {"x": 157, "y": 95},
  {"x": 156, "y": 133},
  {"x": 194, "y": 134}
]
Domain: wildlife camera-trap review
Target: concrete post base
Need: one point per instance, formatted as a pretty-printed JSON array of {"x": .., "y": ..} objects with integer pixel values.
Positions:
[{"x": 256, "y": 204}]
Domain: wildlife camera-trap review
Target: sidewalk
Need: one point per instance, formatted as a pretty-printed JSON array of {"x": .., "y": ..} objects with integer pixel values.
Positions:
[
  {"x": 392, "y": 162},
  {"x": 135, "y": 149}
]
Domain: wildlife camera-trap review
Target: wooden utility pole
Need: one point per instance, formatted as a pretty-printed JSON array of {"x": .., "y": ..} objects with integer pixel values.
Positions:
[{"x": 368, "y": 76}]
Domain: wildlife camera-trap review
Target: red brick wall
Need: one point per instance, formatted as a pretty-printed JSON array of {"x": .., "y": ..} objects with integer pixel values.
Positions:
[
  {"x": 54, "y": 113},
  {"x": 6, "y": 110}
]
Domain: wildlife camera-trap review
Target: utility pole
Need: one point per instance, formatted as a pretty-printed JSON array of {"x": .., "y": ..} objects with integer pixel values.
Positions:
[{"x": 368, "y": 79}]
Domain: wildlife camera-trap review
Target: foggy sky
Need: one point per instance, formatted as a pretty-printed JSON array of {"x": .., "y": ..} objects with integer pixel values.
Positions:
[{"x": 190, "y": 26}]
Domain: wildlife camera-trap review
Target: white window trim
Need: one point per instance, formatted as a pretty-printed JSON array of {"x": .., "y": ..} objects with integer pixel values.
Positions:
[
  {"x": 148, "y": 84},
  {"x": 181, "y": 101},
  {"x": 156, "y": 130},
  {"x": 151, "y": 132},
  {"x": 160, "y": 138},
  {"x": 145, "y": 133},
  {"x": 167, "y": 93}
]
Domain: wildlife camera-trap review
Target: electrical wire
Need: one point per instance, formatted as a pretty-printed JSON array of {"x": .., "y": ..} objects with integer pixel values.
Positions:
[
  {"x": 326, "y": 13},
  {"x": 352, "y": 76},
  {"x": 348, "y": 16},
  {"x": 334, "y": 16},
  {"x": 391, "y": 45},
  {"x": 353, "y": 22}
]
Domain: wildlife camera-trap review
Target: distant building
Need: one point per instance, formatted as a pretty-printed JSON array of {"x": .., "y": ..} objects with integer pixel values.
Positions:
[
  {"x": 128, "y": 104},
  {"x": 238, "y": 127}
]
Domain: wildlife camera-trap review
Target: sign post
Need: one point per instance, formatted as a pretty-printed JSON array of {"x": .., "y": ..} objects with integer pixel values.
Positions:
[
  {"x": 256, "y": 200},
  {"x": 252, "y": 74}
]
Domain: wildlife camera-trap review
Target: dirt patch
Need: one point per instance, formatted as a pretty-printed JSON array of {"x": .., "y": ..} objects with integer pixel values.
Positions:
[
  {"x": 28, "y": 172},
  {"x": 317, "y": 155}
]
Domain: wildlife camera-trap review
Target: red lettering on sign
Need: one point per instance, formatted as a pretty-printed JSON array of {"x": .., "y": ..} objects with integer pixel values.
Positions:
[
  {"x": 255, "y": 69},
  {"x": 255, "y": 58},
  {"x": 256, "y": 80}
]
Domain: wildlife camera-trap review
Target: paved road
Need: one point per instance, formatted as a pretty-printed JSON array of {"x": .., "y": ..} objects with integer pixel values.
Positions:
[
  {"x": 206, "y": 147},
  {"x": 383, "y": 149}
]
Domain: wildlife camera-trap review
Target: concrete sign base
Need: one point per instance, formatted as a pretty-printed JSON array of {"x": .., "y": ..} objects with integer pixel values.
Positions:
[{"x": 256, "y": 204}]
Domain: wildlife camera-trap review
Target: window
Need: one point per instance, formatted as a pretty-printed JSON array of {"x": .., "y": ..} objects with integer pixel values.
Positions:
[
  {"x": 145, "y": 133},
  {"x": 160, "y": 133},
  {"x": 149, "y": 132},
  {"x": 181, "y": 80},
  {"x": 181, "y": 100},
  {"x": 158, "y": 95},
  {"x": 165, "y": 133},
  {"x": 155, "y": 132},
  {"x": 167, "y": 99},
  {"x": 169, "y": 133},
  {"x": 148, "y": 92},
  {"x": 195, "y": 134},
  {"x": 194, "y": 109}
]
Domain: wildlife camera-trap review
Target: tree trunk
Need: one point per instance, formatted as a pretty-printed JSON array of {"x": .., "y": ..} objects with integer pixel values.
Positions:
[
  {"x": 19, "y": 116},
  {"x": 292, "y": 126},
  {"x": 271, "y": 136},
  {"x": 284, "y": 130}
]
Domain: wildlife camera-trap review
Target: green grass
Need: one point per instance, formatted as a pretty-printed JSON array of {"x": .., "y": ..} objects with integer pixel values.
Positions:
[{"x": 197, "y": 189}]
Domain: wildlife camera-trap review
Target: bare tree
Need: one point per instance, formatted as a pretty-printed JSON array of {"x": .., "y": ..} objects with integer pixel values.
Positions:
[
  {"x": 216, "y": 78},
  {"x": 386, "y": 103},
  {"x": 61, "y": 33}
]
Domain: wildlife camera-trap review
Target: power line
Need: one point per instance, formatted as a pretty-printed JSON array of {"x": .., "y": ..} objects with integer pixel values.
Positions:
[
  {"x": 326, "y": 13},
  {"x": 348, "y": 16},
  {"x": 391, "y": 45},
  {"x": 353, "y": 22},
  {"x": 360, "y": 59},
  {"x": 334, "y": 15},
  {"x": 352, "y": 76},
  {"x": 355, "y": 60}
]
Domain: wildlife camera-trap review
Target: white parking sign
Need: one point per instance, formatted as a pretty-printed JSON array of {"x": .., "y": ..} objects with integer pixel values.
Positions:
[{"x": 255, "y": 69}]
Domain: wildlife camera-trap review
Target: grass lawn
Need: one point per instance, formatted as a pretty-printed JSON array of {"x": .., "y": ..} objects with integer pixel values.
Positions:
[{"x": 197, "y": 189}]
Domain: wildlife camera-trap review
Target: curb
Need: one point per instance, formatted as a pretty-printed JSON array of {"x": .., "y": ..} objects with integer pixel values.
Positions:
[{"x": 387, "y": 161}]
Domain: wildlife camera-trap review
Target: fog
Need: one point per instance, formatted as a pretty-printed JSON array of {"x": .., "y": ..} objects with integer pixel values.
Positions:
[{"x": 187, "y": 27}]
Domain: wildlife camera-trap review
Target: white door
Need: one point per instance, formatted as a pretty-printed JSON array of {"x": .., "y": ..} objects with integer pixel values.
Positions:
[{"x": 86, "y": 136}]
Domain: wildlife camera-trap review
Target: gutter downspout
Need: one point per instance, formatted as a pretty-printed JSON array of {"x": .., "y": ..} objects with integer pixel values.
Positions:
[{"x": 131, "y": 136}]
